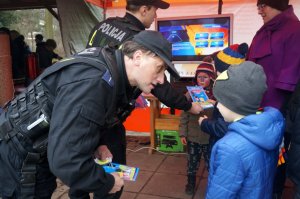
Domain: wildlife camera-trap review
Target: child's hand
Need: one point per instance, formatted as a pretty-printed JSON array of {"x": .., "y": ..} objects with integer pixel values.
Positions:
[
  {"x": 183, "y": 140},
  {"x": 201, "y": 119},
  {"x": 212, "y": 101},
  {"x": 196, "y": 108}
]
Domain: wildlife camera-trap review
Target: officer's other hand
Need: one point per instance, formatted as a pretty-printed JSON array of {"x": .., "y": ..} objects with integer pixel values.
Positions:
[
  {"x": 196, "y": 108},
  {"x": 200, "y": 120},
  {"x": 103, "y": 153},
  {"x": 183, "y": 140},
  {"x": 119, "y": 183}
]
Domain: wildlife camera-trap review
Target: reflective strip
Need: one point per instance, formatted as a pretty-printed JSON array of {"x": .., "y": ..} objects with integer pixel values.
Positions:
[{"x": 92, "y": 38}]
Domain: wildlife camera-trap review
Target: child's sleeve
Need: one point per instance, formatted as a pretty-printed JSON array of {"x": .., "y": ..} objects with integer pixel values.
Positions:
[
  {"x": 216, "y": 127},
  {"x": 183, "y": 125}
]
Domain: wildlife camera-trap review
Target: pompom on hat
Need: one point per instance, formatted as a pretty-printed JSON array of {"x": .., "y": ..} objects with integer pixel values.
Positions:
[
  {"x": 277, "y": 4},
  {"x": 232, "y": 55}
]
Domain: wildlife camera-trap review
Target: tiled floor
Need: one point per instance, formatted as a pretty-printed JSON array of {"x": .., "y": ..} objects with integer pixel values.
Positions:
[{"x": 161, "y": 176}]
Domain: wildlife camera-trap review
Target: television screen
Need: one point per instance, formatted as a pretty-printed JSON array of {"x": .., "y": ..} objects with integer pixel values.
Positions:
[{"x": 193, "y": 38}]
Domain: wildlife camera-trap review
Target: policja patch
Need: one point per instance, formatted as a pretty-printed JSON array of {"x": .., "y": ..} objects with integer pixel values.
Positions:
[{"x": 112, "y": 31}]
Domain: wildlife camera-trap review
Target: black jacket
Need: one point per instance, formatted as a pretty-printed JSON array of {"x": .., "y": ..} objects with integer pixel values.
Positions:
[
  {"x": 215, "y": 127},
  {"x": 293, "y": 127},
  {"x": 81, "y": 95},
  {"x": 114, "y": 31}
]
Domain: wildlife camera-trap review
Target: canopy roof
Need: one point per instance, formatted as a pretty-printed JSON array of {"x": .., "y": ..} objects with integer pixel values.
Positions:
[
  {"x": 32, "y": 4},
  {"x": 122, "y": 3},
  {"x": 26, "y": 4}
]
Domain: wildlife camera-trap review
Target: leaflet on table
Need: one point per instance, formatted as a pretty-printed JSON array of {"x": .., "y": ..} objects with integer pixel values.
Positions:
[
  {"x": 198, "y": 94},
  {"x": 126, "y": 172}
]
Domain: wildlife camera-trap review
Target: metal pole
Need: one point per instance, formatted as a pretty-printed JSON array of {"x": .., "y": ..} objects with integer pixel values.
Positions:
[
  {"x": 104, "y": 8},
  {"x": 220, "y": 7}
]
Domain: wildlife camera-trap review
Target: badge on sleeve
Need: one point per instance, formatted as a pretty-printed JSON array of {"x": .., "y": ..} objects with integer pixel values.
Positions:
[{"x": 107, "y": 77}]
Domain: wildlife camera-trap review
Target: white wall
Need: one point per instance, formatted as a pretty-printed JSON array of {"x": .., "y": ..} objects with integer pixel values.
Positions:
[{"x": 246, "y": 19}]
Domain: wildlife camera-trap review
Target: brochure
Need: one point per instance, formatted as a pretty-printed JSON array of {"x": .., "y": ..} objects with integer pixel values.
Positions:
[
  {"x": 198, "y": 94},
  {"x": 126, "y": 172}
]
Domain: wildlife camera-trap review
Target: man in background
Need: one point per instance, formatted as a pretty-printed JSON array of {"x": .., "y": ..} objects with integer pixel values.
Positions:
[
  {"x": 46, "y": 54},
  {"x": 39, "y": 41}
]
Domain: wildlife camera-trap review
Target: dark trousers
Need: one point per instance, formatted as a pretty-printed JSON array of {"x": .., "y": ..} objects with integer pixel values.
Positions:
[
  {"x": 297, "y": 194},
  {"x": 280, "y": 176},
  {"x": 279, "y": 180},
  {"x": 195, "y": 152}
]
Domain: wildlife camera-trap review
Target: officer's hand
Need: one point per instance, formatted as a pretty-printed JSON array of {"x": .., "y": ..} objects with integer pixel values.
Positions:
[
  {"x": 119, "y": 183},
  {"x": 196, "y": 108},
  {"x": 103, "y": 153}
]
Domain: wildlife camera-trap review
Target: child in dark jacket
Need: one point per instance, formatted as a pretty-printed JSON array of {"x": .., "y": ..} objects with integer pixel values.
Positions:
[
  {"x": 216, "y": 127},
  {"x": 197, "y": 143},
  {"x": 293, "y": 127}
]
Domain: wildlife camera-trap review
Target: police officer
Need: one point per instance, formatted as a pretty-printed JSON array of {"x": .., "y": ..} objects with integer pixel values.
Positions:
[
  {"x": 140, "y": 14},
  {"x": 114, "y": 31},
  {"x": 68, "y": 106}
]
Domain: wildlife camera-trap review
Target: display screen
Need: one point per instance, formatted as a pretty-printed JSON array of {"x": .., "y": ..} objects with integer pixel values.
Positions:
[{"x": 193, "y": 38}]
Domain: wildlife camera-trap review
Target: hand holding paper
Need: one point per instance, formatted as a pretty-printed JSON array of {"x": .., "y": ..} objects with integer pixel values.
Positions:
[{"x": 103, "y": 153}]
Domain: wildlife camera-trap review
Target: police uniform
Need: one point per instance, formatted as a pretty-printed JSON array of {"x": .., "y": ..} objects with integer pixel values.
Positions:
[
  {"x": 113, "y": 32},
  {"x": 70, "y": 96}
]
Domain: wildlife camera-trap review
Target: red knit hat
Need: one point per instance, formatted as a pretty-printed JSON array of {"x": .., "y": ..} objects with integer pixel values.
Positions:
[{"x": 207, "y": 67}]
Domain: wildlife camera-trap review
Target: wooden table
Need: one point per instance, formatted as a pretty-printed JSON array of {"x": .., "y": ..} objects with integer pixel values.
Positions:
[{"x": 159, "y": 121}]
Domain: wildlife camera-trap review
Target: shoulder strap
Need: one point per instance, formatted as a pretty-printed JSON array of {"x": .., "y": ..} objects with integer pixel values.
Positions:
[
  {"x": 70, "y": 61},
  {"x": 107, "y": 64},
  {"x": 112, "y": 67}
]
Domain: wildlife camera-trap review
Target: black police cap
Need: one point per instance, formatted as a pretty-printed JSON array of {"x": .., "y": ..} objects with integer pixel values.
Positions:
[
  {"x": 156, "y": 43},
  {"x": 156, "y": 3}
]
